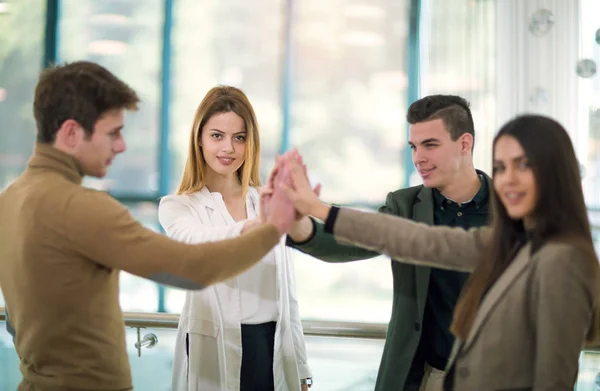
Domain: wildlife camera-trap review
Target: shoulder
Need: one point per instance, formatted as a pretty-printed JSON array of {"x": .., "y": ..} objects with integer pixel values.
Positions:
[
  {"x": 405, "y": 196},
  {"x": 567, "y": 258},
  {"x": 175, "y": 199}
]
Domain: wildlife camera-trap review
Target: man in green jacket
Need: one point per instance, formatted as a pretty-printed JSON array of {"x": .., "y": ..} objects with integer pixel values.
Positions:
[{"x": 454, "y": 193}]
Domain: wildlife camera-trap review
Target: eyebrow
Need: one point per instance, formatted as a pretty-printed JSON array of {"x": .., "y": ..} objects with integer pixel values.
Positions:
[
  {"x": 426, "y": 141},
  {"x": 220, "y": 131},
  {"x": 519, "y": 158}
]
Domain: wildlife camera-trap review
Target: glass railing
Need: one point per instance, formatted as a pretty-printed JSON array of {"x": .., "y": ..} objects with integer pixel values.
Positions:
[{"x": 342, "y": 356}]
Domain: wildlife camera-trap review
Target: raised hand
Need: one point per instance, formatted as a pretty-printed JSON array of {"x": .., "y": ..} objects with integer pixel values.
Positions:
[{"x": 276, "y": 207}]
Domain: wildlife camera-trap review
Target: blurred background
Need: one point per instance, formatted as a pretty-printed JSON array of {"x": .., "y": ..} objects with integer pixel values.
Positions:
[{"x": 334, "y": 79}]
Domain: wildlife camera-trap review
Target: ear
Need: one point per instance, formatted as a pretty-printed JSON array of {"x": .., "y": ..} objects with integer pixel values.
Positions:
[
  {"x": 466, "y": 142},
  {"x": 69, "y": 134}
]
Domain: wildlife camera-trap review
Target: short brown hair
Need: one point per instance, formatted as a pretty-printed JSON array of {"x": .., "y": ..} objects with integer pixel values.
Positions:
[
  {"x": 451, "y": 109},
  {"x": 82, "y": 91}
]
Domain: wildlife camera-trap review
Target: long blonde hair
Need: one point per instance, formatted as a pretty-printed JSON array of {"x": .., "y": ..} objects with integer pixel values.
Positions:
[{"x": 222, "y": 99}]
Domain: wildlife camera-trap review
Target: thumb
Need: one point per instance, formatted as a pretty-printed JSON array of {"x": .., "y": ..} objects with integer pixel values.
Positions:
[{"x": 317, "y": 190}]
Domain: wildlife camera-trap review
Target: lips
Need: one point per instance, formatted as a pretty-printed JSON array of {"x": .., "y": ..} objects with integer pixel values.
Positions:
[
  {"x": 514, "y": 197},
  {"x": 426, "y": 172},
  {"x": 225, "y": 160}
]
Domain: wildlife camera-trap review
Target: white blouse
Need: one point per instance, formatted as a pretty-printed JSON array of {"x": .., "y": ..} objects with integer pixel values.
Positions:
[{"x": 258, "y": 285}]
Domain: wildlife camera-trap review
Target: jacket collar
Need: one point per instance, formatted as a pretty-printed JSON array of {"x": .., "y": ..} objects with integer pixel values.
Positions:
[
  {"x": 496, "y": 291},
  {"x": 47, "y": 158}
]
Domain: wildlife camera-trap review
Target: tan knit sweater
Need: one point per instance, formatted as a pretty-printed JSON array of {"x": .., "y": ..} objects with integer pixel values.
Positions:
[{"x": 61, "y": 249}]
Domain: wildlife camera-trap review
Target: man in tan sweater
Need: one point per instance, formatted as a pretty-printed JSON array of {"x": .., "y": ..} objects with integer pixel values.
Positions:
[{"x": 62, "y": 245}]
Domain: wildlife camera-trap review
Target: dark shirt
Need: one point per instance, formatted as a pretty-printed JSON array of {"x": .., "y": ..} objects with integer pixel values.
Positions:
[{"x": 445, "y": 286}]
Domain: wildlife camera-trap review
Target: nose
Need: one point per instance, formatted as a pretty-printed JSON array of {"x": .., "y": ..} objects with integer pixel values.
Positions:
[
  {"x": 418, "y": 156},
  {"x": 508, "y": 177},
  {"x": 228, "y": 146},
  {"x": 119, "y": 145}
]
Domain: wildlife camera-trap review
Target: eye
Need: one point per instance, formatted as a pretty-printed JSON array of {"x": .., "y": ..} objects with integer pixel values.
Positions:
[
  {"x": 215, "y": 136},
  {"x": 524, "y": 165},
  {"x": 497, "y": 168},
  {"x": 412, "y": 147},
  {"x": 241, "y": 137}
]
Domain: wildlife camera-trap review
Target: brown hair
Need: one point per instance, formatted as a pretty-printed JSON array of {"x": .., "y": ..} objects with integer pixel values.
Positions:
[
  {"x": 451, "y": 109},
  {"x": 222, "y": 99},
  {"x": 560, "y": 214},
  {"x": 82, "y": 91}
]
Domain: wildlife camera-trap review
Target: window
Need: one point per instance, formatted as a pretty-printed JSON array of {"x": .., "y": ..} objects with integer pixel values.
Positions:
[
  {"x": 227, "y": 42},
  {"x": 589, "y": 99},
  {"x": 21, "y": 57},
  {"x": 125, "y": 37},
  {"x": 348, "y": 106},
  {"x": 458, "y": 57}
]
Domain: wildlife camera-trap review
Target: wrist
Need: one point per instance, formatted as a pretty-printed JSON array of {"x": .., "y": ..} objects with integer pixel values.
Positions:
[
  {"x": 303, "y": 230},
  {"x": 320, "y": 211}
]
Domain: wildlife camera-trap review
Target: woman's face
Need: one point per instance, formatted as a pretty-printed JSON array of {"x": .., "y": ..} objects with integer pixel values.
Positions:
[
  {"x": 514, "y": 180},
  {"x": 224, "y": 143}
]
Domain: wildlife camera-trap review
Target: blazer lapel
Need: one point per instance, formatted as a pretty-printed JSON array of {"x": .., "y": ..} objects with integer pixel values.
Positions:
[
  {"x": 423, "y": 212},
  {"x": 507, "y": 278}
]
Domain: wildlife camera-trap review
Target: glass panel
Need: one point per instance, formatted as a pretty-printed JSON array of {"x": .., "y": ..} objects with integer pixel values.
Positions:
[
  {"x": 21, "y": 56},
  {"x": 334, "y": 361},
  {"x": 348, "y": 110},
  {"x": 458, "y": 57},
  {"x": 152, "y": 371},
  {"x": 139, "y": 294},
  {"x": 589, "y": 372},
  {"x": 349, "y": 95},
  {"x": 126, "y": 37},
  {"x": 226, "y": 42},
  {"x": 10, "y": 376},
  {"x": 589, "y": 98}
]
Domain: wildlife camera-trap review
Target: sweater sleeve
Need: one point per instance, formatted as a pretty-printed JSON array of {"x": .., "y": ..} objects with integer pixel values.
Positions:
[{"x": 102, "y": 230}]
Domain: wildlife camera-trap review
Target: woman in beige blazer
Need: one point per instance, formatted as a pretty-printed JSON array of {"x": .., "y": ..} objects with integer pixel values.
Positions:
[{"x": 531, "y": 303}]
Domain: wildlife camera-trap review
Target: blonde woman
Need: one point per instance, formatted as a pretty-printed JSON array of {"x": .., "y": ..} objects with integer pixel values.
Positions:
[{"x": 244, "y": 333}]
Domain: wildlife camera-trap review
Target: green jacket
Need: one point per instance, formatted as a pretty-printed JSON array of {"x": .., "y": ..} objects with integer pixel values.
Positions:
[{"x": 410, "y": 283}]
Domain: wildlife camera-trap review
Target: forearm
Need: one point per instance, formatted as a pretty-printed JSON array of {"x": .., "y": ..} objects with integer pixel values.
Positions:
[
  {"x": 405, "y": 240},
  {"x": 324, "y": 246},
  {"x": 102, "y": 230}
]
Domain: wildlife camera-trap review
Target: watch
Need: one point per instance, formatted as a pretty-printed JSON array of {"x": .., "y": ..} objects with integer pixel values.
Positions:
[{"x": 308, "y": 381}]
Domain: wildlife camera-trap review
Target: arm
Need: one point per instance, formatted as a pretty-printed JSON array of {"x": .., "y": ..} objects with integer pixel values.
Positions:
[
  {"x": 565, "y": 287},
  {"x": 311, "y": 238},
  {"x": 407, "y": 241},
  {"x": 296, "y": 322},
  {"x": 175, "y": 217},
  {"x": 399, "y": 238},
  {"x": 323, "y": 246},
  {"x": 102, "y": 230}
]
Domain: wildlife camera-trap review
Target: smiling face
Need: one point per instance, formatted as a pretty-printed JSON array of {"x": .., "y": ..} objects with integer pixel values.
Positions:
[
  {"x": 223, "y": 142},
  {"x": 437, "y": 158},
  {"x": 514, "y": 180}
]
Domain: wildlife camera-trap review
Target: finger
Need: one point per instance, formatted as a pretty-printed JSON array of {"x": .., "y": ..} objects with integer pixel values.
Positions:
[
  {"x": 317, "y": 190},
  {"x": 288, "y": 191}
]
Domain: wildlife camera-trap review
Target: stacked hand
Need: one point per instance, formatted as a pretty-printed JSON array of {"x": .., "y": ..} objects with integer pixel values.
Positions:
[{"x": 288, "y": 187}]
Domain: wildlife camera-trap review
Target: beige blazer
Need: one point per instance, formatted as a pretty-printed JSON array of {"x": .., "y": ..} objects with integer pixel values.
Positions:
[{"x": 531, "y": 325}]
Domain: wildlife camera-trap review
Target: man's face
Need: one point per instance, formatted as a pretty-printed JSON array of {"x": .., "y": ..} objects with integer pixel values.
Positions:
[
  {"x": 97, "y": 152},
  {"x": 436, "y": 157}
]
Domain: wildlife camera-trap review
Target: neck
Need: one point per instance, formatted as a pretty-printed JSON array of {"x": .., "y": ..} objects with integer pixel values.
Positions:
[
  {"x": 463, "y": 188},
  {"x": 228, "y": 185}
]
